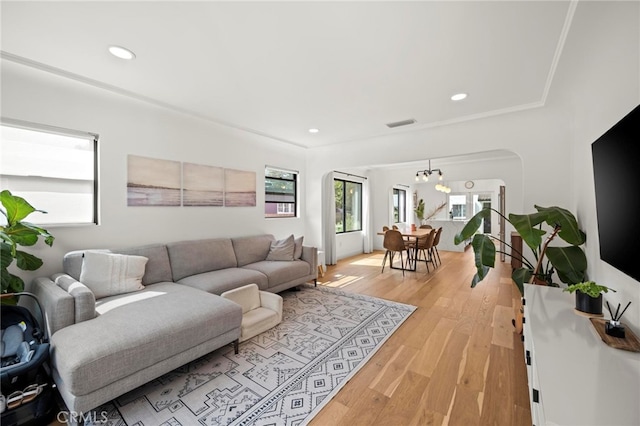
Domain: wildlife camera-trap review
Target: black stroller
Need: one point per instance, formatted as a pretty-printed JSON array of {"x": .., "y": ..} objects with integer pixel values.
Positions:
[{"x": 27, "y": 390}]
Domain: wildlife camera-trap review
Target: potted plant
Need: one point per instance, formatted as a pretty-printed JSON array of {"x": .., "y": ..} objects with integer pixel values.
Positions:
[
  {"x": 588, "y": 296},
  {"x": 13, "y": 233},
  {"x": 569, "y": 262},
  {"x": 420, "y": 214},
  {"x": 419, "y": 211}
]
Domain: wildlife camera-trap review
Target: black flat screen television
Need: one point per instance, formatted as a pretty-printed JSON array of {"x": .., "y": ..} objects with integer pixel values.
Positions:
[{"x": 616, "y": 169}]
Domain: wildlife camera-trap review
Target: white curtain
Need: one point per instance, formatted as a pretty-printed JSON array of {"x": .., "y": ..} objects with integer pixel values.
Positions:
[
  {"x": 367, "y": 234},
  {"x": 329, "y": 220}
]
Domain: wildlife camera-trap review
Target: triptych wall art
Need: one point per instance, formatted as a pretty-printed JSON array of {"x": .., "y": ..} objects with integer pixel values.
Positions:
[{"x": 155, "y": 182}]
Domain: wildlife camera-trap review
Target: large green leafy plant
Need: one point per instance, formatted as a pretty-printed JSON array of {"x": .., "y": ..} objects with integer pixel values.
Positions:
[
  {"x": 569, "y": 262},
  {"x": 419, "y": 210},
  {"x": 14, "y": 233}
]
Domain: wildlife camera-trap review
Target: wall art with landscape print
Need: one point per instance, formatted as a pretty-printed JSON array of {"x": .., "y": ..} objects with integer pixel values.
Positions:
[
  {"x": 202, "y": 185},
  {"x": 153, "y": 182},
  {"x": 240, "y": 188}
]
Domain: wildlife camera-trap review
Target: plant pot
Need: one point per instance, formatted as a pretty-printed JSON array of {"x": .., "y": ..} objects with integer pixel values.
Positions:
[
  {"x": 539, "y": 281},
  {"x": 588, "y": 304}
]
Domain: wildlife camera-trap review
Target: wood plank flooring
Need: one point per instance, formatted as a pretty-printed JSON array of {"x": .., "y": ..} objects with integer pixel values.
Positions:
[{"x": 455, "y": 361}]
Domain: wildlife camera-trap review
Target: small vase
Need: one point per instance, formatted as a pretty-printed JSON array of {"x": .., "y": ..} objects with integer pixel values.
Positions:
[{"x": 588, "y": 304}]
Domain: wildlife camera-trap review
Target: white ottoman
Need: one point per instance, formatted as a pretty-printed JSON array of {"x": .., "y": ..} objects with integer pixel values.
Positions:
[{"x": 261, "y": 310}]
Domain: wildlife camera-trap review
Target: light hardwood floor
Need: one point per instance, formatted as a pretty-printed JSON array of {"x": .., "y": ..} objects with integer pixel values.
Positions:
[{"x": 455, "y": 361}]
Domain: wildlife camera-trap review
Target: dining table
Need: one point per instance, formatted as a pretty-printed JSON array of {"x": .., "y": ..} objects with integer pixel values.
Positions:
[{"x": 412, "y": 235}]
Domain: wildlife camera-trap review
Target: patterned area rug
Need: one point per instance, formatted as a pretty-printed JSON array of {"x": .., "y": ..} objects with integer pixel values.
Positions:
[{"x": 281, "y": 377}]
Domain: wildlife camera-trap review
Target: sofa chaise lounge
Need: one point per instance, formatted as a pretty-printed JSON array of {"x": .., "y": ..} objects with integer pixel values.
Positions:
[{"x": 103, "y": 347}]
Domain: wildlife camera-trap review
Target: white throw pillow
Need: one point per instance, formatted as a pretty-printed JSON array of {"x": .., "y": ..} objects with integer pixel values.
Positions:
[
  {"x": 282, "y": 249},
  {"x": 297, "y": 253},
  {"x": 109, "y": 274}
]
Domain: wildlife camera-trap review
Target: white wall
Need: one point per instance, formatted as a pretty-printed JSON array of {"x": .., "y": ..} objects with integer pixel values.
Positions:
[
  {"x": 128, "y": 126},
  {"x": 598, "y": 83},
  {"x": 531, "y": 135},
  {"x": 349, "y": 244}
]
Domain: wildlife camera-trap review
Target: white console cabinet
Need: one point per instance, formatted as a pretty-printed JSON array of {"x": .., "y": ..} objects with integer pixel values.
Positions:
[{"x": 574, "y": 377}]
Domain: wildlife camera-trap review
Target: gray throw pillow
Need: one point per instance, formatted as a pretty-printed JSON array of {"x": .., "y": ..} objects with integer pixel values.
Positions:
[
  {"x": 297, "y": 253},
  {"x": 282, "y": 249}
]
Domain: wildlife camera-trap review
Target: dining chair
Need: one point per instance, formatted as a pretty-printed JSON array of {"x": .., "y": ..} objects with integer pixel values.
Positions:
[
  {"x": 426, "y": 227},
  {"x": 395, "y": 228},
  {"x": 385, "y": 228},
  {"x": 394, "y": 243},
  {"x": 425, "y": 247},
  {"x": 436, "y": 241}
]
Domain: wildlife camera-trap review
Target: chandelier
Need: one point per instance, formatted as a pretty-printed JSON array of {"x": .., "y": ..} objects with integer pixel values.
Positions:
[{"x": 424, "y": 175}]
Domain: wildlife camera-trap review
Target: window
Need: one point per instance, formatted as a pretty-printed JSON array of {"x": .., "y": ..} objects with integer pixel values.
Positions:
[
  {"x": 458, "y": 206},
  {"x": 55, "y": 170},
  {"x": 399, "y": 205},
  {"x": 280, "y": 192},
  {"x": 348, "y": 206}
]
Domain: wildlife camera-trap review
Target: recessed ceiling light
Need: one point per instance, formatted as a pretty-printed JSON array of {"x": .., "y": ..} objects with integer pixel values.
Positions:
[
  {"x": 121, "y": 52},
  {"x": 458, "y": 96},
  {"x": 313, "y": 130}
]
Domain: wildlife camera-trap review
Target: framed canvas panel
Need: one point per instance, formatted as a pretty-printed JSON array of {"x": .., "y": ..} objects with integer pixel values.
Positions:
[
  {"x": 153, "y": 182},
  {"x": 202, "y": 185},
  {"x": 239, "y": 188}
]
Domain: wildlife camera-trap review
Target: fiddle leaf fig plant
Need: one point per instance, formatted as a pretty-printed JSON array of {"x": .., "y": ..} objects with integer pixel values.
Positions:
[
  {"x": 569, "y": 262},
  {"x": 15, "y": 232}
]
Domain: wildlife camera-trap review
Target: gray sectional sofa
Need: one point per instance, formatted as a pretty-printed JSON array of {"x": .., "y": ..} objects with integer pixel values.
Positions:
[{"x": 103, "y": 348}]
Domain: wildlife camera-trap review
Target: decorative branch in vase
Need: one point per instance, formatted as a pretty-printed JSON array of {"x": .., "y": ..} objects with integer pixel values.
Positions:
[{"x": 436, "y": 210}]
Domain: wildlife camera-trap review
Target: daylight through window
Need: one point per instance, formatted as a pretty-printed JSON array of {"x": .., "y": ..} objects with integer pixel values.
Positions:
[
  {"x": 399, "y": 205},
  {"x": 55, "y": 170},
  {"x": 348, "y": 206}
]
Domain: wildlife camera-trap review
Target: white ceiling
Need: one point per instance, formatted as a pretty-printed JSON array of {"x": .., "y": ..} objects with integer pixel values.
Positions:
[{"x": 280, "y": 68}]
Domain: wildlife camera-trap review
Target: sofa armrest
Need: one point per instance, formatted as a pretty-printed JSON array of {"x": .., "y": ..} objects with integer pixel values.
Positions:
[
  {"x": 271, "y": 301},
  {"x": 57, "y": 304},
  {"x": 85, "y": 300},
  {"x": 310, "y": 255}
]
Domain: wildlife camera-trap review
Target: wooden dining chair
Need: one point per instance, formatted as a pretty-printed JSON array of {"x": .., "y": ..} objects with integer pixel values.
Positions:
[
  {"x": 426, "y": 227},
  {"x": 436, "y": 241},
  {"x": 425, "y": 249},
  {"x": 395, "y": 228},
  {"x": 394, "y": 243}
]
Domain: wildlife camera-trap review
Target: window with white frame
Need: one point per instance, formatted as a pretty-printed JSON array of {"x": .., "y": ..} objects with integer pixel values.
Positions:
[
  {"x": 280, "y": 192},
  {"x": 53, "y": 169}
]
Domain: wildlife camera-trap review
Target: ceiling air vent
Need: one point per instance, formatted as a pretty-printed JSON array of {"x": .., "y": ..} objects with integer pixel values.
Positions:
[{"x": 401, "y": 123}]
